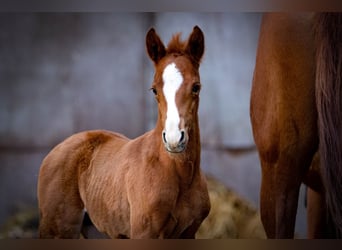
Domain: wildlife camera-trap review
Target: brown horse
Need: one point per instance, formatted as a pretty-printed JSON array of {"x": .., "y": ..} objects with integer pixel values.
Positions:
[
  {"x": 148, "y": 187},
  {"x": 296, "y": 112}
]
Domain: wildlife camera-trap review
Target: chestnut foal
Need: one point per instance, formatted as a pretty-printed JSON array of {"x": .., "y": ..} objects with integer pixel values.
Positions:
[{"x": 148, "y": 187}]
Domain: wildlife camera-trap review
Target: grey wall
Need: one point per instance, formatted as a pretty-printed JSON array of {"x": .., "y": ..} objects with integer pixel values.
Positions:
[{"x": 63, "y": 73}]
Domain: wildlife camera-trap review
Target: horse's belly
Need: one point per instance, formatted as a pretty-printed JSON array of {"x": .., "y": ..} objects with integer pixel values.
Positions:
[{"x": 106, "y": 202}]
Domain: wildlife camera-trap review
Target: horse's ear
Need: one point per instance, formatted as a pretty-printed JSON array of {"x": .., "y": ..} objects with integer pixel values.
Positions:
[
  {"x": 195, "y": 46},
  {"x": 155, "y": 47}
]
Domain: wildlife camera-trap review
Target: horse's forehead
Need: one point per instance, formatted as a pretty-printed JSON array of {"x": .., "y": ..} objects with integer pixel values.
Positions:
[
  {"x": 172, "y": 79},
  {"x": 177, "y": 67},
  {"x": 171, "y": 71}
]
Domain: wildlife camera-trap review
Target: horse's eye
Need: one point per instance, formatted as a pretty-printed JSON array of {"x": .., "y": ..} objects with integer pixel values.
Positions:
[
  {"x": 154, "y": 90},
  {"x": 196, "y": 88}
]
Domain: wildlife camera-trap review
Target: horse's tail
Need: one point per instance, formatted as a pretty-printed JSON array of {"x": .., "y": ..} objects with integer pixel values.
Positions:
[{"x": 328, "y": 34}]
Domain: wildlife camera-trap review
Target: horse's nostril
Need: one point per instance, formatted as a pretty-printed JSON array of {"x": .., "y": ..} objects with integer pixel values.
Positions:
[
  {"x": 164, "y": 138},
  {"x": 182, "y": 137}
]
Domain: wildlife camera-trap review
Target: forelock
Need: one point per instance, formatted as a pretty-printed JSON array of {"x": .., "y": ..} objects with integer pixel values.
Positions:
[{"x": 176, "y": 45}]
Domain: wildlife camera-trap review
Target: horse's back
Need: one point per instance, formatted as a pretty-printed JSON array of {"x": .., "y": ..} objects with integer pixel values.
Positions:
[
  {"x": 58, "y": 182},
  {"x": 76, "y": 151}
]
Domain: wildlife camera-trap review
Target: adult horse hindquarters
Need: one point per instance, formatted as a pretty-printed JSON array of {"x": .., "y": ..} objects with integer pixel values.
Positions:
[
  {"x": 148, "y": 187},
  {"x": 284, "y": 114}
]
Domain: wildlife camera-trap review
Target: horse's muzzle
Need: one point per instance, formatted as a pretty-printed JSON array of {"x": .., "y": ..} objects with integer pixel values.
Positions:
[{"x": 175, "y": 142}]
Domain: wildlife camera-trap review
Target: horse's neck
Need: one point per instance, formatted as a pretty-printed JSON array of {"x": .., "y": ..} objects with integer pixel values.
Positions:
[{"x": 187, "y": 163}]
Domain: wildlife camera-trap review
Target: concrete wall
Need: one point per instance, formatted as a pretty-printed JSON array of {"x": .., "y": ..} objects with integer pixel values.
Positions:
[{"x": 63, "y": 73}]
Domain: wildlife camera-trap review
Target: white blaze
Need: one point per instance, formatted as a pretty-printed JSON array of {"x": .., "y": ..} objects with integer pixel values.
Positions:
[{"x": 172, "y": 81}]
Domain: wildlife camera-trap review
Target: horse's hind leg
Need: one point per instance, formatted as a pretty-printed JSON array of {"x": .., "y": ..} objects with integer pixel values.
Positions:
[
  {"x": 60, "y": 204},
  {"x": 289, "y": 175},
  {"x": 279, "y": 195},
  {"x": 61, "y": 219},
  {"x": 278, "y": 201},
  {"x": 267, "y": 202},
  {"x": 318, "y": 220},
  {"x": 283, "y": 115},
  {"x": 316, "y": 215},
  {"x": 59, "y": 190},
  {"x": 315, "y": 201},
  {"x": 320, "y": 224}
]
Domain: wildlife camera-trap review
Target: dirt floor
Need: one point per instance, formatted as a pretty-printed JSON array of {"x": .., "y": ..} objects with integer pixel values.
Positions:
[{"x": 230, "y": 217}]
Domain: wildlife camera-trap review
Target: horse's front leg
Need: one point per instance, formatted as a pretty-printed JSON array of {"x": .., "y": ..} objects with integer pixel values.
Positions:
[
  {"x": 152, "y": 225},
  {"x": 190, "y": 232}
]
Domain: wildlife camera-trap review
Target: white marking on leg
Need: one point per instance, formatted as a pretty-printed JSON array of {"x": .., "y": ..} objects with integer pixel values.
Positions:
[{"x": 173, "y": 79}]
